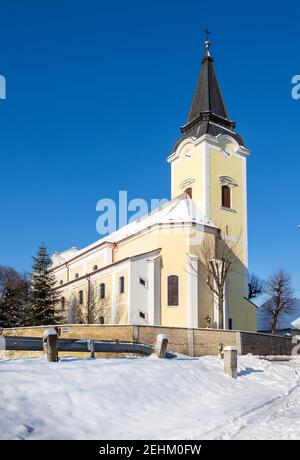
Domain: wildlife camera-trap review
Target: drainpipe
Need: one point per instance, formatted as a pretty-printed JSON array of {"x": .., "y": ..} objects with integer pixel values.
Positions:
[
  {"x": 68, "y": 271},
  {"x": 88, "y": 298}
]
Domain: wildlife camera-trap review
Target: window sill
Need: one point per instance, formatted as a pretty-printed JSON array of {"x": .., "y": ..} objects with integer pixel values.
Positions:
[{"x": 227, "y": 209}]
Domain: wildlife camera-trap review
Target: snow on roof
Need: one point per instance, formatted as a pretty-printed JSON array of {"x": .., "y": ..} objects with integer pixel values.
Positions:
[{"x": 179, "y": 210}]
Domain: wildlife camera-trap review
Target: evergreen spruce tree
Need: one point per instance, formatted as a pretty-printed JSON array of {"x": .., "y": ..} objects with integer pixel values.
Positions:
[
  {"x": 12, "y": 298},
  {"x": 12, "y": 305},
  {"x": 43, "y": 298}
]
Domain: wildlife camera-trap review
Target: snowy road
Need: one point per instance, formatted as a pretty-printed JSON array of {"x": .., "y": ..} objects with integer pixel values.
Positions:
[
  {"x": 279, "y": 419},
  {"x": 279, "y": 422}
]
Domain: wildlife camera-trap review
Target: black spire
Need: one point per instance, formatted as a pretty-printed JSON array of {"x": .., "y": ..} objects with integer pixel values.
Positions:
[
  {"x": 208, "y": 114},
  {"x": 208, "y": 96}
]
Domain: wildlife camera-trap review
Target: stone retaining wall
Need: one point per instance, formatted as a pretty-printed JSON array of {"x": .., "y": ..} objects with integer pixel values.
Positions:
[{"x": 192, "y": 342}]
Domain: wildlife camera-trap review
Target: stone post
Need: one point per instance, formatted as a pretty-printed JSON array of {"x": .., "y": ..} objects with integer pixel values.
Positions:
[
  {"x": 91, "y": 348},
  {"x": 161, "y": 346},
  {"x": 50, "y": 345},
  {"x": 230, "y": 361}
]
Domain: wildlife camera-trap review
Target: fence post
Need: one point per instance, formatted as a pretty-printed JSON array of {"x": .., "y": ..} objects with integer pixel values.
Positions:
[
  {"x": 50, "y": 345},
  {"x": 230, "y": 361},
  {"x": 161, "y": 346},
  {"x": 91, "y": 348}
]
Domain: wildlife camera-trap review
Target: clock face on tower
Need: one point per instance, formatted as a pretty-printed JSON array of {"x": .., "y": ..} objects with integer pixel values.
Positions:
[
  {"x": 228, "y": 145},
  {"x": 226, "y": 152}
]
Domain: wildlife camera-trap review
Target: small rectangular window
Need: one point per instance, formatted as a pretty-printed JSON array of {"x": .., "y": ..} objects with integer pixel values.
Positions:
[
  {"x": 80, "y": 297},
  {"x": 122, "y": 285},
  {"x": 102, "y": 291},
  {"x": 142, "y": 315},
  {"x": 230, "y": 324},
  {"x": 143, "y": 282}
]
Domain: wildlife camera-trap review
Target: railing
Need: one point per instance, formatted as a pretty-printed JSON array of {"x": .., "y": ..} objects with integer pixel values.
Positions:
[{"x": 76, "y": 345}]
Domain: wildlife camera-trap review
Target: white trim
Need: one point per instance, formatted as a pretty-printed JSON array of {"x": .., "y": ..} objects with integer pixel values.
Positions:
[
  {"x": 185, "y": 184},
  {"x": 207, "y": 181},
  {"x": 113, "y": 297},
  {"x": 233, "y": 239},
  {"x": 175, "y": 155},
  {"x": 228, "y": 209},
  {"x": 226, "y": 180},
  {"x": 154, "y": 292},
  {"x": 245, "y": 198},
  {"x": 242, "y": 151},
  {"x": 129, "y": 283},
  {"x": 192, "y": 291}
]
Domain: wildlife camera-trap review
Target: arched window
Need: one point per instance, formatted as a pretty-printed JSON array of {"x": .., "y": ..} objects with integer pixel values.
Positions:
[
  {"x": 102, "y": 291},
  {"x": 226, "y": 197},
  {"x": 173, "y": 291},
  {"x": 80, "y": 295},
  {"x": 95, "y": 267},
  {"x": 122, "y": 285},
  {"x": 62, "y": 303}
]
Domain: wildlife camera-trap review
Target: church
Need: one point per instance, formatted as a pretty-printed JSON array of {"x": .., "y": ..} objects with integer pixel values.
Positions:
[{"x": 161, "y": 269}]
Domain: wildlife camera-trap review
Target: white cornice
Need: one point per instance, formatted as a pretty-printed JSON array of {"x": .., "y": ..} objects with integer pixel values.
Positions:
[{"x": 242, "y": 151}]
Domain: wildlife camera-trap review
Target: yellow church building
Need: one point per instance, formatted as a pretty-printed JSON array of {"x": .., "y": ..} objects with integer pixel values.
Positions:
[{"x": 155, "y": 270}]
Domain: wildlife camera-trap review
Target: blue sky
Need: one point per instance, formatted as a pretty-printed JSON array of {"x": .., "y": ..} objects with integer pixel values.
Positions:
[{"x": 97, "y": 91}]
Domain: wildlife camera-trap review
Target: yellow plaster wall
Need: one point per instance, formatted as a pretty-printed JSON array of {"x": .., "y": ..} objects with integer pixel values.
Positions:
[
  {"x": 99, "y": 261},
  {"x": 189, "y": 168},
  {"x": 232, "y": 167}
]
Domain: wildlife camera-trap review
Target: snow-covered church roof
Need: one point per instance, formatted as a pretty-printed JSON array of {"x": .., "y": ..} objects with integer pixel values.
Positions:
[{"x": 179, "y": 210}]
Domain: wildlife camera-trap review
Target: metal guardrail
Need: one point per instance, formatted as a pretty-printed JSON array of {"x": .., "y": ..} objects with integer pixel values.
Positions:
[{"x": 76, "y": 345}]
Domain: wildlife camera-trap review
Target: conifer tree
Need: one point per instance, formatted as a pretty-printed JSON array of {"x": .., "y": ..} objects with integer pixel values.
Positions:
[
  {"x": 13, "y": 287},
  {"x": 43, "y": 298},
  {"x": 12, "y": 306}
]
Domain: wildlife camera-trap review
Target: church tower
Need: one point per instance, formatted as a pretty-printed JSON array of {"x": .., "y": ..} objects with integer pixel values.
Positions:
[{"x": 209, "y": 163}]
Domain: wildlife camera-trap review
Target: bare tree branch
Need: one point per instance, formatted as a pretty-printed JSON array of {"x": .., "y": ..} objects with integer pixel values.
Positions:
[{"x": 256, "y": 286}]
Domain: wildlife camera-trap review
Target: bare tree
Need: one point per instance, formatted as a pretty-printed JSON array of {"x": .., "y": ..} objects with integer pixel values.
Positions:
[
  {"x": 98, "y": 309},
  {"x": 281, "y": 298},
  {"x": 75, "y": 314},
  {"x": 256, "y": 286},
  {"x": 219, "y": 258}
]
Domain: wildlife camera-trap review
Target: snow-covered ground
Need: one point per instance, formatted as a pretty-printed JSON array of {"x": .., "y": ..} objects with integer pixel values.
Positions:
[{"x": 148, "y": 398}]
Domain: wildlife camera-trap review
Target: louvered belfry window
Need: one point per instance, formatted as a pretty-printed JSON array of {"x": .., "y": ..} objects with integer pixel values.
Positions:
[
  {"x": 173, "y": 291},
  {"x": 226, "y": 201}
]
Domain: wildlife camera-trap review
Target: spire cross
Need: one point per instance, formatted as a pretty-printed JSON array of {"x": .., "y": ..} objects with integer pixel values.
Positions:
[
  {"x": 207, "y": 42},
  {"x": 207, "y": 32}
]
